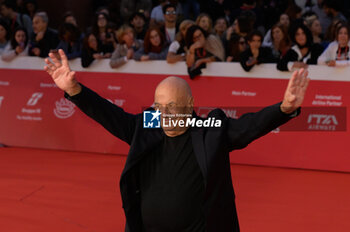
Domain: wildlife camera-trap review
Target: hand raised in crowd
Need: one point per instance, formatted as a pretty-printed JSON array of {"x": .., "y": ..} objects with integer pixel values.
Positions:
[
  {"x": 196, "y": 45},
  {"x": 61, "y": 73},
  {"x": 331, "y": 63},
  {"x": 229, "y": 32},
  {"x": 255, "y": 52},
  {"x": 295, "y": 92},
  {"x": 36, "y": 51},
  {"x": 39, "y": 36},
  {"x": 19, "y": 49},
  {"x": 130, "y": 53}
]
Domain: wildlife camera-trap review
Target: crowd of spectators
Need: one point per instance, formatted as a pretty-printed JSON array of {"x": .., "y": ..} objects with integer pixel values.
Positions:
[{"x": 290, "y": 33}]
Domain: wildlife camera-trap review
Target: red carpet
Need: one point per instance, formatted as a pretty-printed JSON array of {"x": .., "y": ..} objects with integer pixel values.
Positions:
[{"x": 56, "y": 191}]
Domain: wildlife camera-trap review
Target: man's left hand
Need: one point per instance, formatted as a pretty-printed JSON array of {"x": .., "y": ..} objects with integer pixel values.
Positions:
[{"x": 295, "y": 92}]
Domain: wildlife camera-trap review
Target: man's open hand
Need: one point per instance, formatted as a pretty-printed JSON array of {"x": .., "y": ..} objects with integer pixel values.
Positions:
[
  {"x": 61, "y": 73},
  {"x": 295, "y": 92}
]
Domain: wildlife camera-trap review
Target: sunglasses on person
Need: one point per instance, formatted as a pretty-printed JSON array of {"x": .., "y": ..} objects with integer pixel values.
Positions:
[{"x": 170, "y": 12}]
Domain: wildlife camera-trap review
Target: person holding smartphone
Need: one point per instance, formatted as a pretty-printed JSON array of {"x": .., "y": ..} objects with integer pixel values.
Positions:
[{"x": 18, "y": 45}]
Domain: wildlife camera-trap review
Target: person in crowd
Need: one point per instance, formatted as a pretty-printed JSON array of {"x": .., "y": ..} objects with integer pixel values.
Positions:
[
  {"x": 177, "y": 49},
  {"x": 4, "y": 35},
  {"x": 178, "y": 178},
  {"x": 220, "y": 27},
  {"x": 331, "y": 33},
  {"x": 250, "y": 7},
  {"x": 255, "y": 54},
  {"x": 332, "y": 9},
  {"x": 294, "y": 12},
  {"x": 338, "y": 52},
  {"x": 157, "y": 14},
  {"x": 242, "y": 26},
  {"x": 138, "y": 22},
  {"x": 128, "y": 8},
  {"x": 189, "y": 6},
  {"x": 203, "y": 48},
  {"x": 304, "y": 51},
  {"x": 100, "y": 29},
  {"x": 8, "y": 10},
  {"x": 126, "y": 47},
  {"x": 280, "y": 41},
  {"x": 103, "y": 9},
  {"x": 284, "y": 20},
  {"x": 92, "y": 50},
  {"x": 70, "y": 41},
  {"x": 155, "y": 46},
  {"x": 43, "y": 39},
  {"x": 31, "y": 7},
  {"x": 204, "y": 21},
  {"x": 314, "y": 25},
  {"x": 236, "y": 46},
  {"x": 169, "y": 29},
  {"x": 324, "y": 19},
  {"x": 69, "y": 17},
  {"x": 18, "y": 45}
]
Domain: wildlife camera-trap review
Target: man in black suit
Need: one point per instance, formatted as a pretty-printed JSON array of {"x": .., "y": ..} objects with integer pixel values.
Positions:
[{"x": 178, "y": 178}]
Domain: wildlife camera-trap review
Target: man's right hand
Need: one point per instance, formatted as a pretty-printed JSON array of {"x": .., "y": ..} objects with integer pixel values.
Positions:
[{"x": 61, "y": 73}]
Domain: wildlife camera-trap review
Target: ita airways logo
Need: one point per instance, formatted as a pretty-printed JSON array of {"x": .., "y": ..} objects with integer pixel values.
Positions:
[
  {"x": 325, "y": 122},
  {"x": 64, "y": 109},
  {"x": 33, "y": 100},
  {"x": 151, "y": 119},
  {"x": 1, "y": 99}
]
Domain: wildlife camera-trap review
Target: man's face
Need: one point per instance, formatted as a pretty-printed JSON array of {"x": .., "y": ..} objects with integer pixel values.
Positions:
[
  {"x": 39, "y": 25},
  {"x": 170, "y": 15},
  {"x": 138, "y": 22},
  {"x": 172, "y": 101}
]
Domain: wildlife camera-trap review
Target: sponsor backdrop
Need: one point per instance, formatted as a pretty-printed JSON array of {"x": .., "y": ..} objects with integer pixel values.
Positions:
[{"x": 34, "y": 113}]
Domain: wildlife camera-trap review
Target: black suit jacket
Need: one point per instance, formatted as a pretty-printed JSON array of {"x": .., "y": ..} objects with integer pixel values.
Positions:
[{"x": 211, "y": 147}]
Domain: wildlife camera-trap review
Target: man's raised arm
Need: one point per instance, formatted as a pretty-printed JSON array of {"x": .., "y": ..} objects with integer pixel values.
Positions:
[
  {"x": 248, "y": 127},
  {"x": 110, "y": 116}
]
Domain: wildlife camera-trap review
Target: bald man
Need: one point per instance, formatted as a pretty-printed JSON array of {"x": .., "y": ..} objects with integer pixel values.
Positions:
[{"x": 178, "y": 178}]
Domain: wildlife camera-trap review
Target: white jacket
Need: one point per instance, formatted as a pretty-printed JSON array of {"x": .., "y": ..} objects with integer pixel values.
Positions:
[{"x": 331, "y": 54}]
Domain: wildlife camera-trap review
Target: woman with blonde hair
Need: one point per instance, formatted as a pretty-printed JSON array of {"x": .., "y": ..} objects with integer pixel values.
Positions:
[
  {"x": 126, "y": 47},
  {"x": 204, "y": 21},
  {"x": 177, "y": 49}
]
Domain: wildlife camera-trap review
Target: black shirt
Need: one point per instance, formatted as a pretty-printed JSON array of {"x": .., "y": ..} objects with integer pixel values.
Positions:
[{"x": 172, "y": 188}]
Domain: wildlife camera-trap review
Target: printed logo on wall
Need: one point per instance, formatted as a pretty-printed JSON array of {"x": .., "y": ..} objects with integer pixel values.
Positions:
[
  {"x": 322, "y": 122},
  {"x": 33, "y": 100},
  {"x": 64, "y": 109},
  {"x": 1, "y": 99}
]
